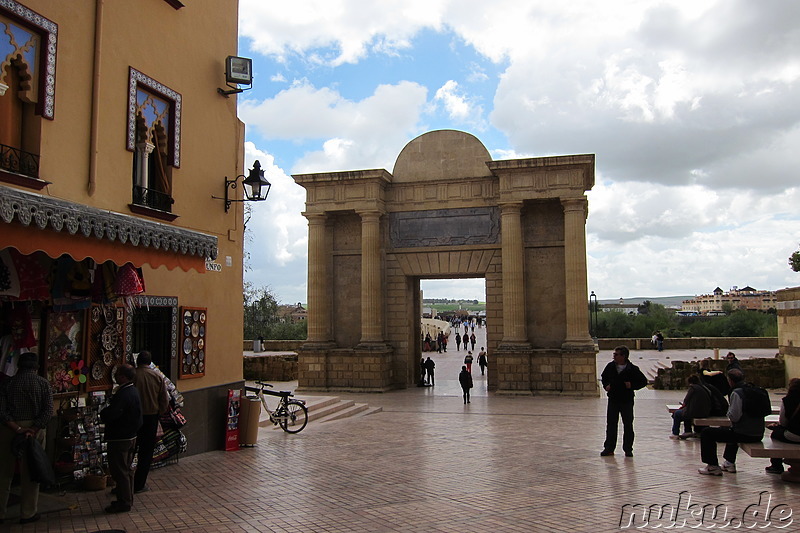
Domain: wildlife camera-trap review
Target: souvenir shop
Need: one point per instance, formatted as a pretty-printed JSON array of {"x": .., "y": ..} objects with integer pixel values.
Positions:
[{"x": 79, "y": 317}]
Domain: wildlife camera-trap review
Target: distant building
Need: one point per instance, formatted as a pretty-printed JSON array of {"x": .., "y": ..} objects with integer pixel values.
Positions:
[
  {"x": 745, "y": 298},
  {"x": 292, "y": 313},
  {"x": 621, "y": 307}
]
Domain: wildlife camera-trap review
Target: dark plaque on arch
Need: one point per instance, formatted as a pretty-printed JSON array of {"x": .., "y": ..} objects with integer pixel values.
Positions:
[{"x": 445, "y": 227}]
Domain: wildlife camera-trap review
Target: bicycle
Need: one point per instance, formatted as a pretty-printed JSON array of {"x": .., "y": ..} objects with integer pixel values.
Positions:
[{"x": 290, "y": 415}]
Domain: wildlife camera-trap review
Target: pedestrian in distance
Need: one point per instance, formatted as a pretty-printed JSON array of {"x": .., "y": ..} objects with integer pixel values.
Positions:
[
  {"x": 123, "y": 418},
  {"x": 430, "y": 366},
  {"x": 660, "y": 341},
  {"x": 620, "y": 379},
  {"x": 472, "y": 341},
  {"x": 422, "y": 372},
  {"x": 26, "y": 406},
  {"x": 482, "y": 362},
  {"x": 746, "y": 426},
  {"x": 468, "y": 362},
  {"x": 155, "y": 402},
  {"x": 465, "y": 379},
  {"x": 458, "y": 341}
]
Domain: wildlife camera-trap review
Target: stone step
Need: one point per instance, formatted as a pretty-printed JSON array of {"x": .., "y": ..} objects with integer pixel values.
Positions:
[{"x": 327, "y": 409}]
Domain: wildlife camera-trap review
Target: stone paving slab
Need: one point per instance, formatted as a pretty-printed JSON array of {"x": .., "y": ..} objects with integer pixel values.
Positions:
[{"x": 429, "y": 463}]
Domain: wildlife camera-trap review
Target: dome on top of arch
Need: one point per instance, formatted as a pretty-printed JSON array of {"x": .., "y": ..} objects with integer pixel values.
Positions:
[{"x": 441, "y": 155}]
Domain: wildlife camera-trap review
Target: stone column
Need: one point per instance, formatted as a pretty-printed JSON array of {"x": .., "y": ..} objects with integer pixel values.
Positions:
[
  {"x": 513, "y": 268},
  {"x": 143, "y": 151},
  {"x": 319, "y": 310},
  {"x": 371, "y": 295},
  {"x": 577, "y": 298}
]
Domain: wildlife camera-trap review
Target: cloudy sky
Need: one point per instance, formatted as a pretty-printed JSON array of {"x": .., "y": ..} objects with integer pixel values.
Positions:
[{"x": 692, "y": 109}]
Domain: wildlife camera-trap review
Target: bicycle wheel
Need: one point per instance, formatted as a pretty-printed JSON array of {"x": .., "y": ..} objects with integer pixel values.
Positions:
[{"x": 296, "y": 419}]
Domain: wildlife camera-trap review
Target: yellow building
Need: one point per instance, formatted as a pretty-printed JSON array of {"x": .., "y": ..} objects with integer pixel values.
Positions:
[
  {"x": 114, "y": 140},
  {"x": 746, "y": 298}
]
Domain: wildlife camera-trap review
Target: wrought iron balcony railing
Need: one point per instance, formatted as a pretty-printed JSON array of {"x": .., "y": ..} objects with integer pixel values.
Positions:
[
  {"x": 19, "y": 161},
  {"x": 152, "y": 198}
]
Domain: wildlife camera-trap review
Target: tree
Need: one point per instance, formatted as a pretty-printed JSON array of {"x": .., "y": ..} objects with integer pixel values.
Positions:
[{"x": 794, "y": 261}]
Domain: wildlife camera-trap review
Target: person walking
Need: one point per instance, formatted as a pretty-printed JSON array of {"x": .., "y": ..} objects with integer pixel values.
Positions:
[
  {"x": 468, "y": 361},
  {"x": 482, "y": 360},
  {"x": 429, "y": 366},
  {"x": 155, "y": 402},
  {"x": 472, "y": 341},
  {"x": 422, "y": 372},
  {"x": 620, "y": 379},
  {"x": 660, "y": 341},
  {"x": 465, "y": 379},
  {"x": 26, "y": 406},
  {"x": 458, "y": 341},
  {"x": 123, "y": 418}
]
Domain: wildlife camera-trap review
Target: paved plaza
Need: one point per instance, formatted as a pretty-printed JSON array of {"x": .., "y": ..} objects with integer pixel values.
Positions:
[{"x": 429, "y": 463}]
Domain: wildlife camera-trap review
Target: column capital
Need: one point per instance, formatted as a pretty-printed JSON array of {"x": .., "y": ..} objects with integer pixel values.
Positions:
[
  {"x": 510, "y": 207},
  {"x": 576, "y": 204},
  {"x": 369, "y": 214},
  {"x": 315, "y": 217}
]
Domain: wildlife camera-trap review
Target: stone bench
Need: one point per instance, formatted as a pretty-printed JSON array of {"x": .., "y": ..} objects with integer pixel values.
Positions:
[
  {"x": 672, "y": 407},
  {"x": 775, "y": 449},
  {"x": 724, "y": 421}
]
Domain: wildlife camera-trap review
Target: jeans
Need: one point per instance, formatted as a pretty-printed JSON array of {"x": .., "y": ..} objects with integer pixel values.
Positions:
[
  {"x": 615, "y": 411},
  {"x": 677, "y": 418},
  {"x": 711, "y": 436}
]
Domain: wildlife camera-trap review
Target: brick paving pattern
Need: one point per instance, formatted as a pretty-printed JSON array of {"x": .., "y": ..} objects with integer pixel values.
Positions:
[{"x": 429, "y": 463}]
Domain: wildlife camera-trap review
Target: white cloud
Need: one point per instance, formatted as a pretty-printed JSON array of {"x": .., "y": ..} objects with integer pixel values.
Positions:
[{"x": 460, "y": 108}]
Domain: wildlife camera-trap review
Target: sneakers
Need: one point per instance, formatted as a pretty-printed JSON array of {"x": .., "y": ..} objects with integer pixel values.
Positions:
[
  {"x": 711, "y": 470},
  {"x": 606, "y": 453},
  {"x": 729, "y": 467},
  {"x": 774, "y": 469},
  {"x": 687, "y": 435}
]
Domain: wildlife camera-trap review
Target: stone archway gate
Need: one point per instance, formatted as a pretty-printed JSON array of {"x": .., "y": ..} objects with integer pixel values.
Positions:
[{"x": 449, "y": 211}]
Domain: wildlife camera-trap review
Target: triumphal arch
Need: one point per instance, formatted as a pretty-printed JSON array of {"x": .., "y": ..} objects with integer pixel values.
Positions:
[{"x": 447, "y": 210}]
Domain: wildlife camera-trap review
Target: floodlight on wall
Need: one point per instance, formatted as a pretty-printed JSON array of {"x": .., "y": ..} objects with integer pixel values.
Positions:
[
  {"x": 238, "y": 71},
  {"x": 256, "y": 187}
]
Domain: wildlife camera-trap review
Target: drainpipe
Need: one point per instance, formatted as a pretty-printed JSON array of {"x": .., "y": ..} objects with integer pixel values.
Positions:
[{"x": 94, "y": 128}]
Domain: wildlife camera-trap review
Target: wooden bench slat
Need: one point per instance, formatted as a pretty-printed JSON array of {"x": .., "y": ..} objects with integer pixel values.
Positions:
[{"x": 772, "y": 449}]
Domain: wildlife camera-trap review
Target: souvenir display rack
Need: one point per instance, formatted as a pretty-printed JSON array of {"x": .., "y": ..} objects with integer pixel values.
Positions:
[
  {"x": 82, "y": 449},
  {"x": 192, "y": 362}
]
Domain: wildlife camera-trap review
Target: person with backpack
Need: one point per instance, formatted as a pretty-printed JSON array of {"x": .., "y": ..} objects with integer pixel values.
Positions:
[
  {"x": 696, "y": 404},
  {"x": 788, "y": 427},
  {"x": 746, "y": 413}
]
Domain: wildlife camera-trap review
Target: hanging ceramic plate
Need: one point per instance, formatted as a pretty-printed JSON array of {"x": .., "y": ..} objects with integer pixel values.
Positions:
[
  {"x": 202, "y": 318},
  {"x": 187, "y": 330},
  {"x": 202, "y": 331},
  {"x": 195, "y": 329},
  {"x": 201, "y": 366},
  {"x": 194, "y": 369},
  {"x": 187, "y": 346},
  {"x": 187, "y": 317},
  {"x": 185, "y": 369},
  {"x": 98, "y": 371},
  {"x": 196, "y": 316},
  {"x": 110, "y": 315},
  {"x": 108, "y": 358},
  {"x": 188, "y": 359},
  {"x": 201, "y": 355},
  {"x": 109, "y": 338},
  {"x": 200, "y": 344}
]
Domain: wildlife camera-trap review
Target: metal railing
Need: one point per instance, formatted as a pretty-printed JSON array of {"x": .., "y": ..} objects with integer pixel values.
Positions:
[
  {"x": 152, "y": 198},
  {"x": 19, "y": 161}
]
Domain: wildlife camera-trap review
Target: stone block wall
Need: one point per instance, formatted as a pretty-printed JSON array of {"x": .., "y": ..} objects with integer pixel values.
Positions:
[
  {"x": 767, "y": 373},
  {"x": 693, "y": 343},
  {"x": 270, "y": 367},
  {"x": 789, "y": 329}
]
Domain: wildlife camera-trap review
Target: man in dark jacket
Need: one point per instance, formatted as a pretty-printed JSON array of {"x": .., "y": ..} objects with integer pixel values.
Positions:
[
  {"x": 123, "y": 418},
  {"x": 26, "y": 405},
  {"x": 620, "y": 379},
  {"x": 465, "y": 379},
  {"x": 155, "y": 402},
  {"x": 696, "y": 404}
]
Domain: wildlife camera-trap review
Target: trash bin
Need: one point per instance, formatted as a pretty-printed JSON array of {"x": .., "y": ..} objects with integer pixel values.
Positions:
[
  {"x": 257, "y": 345},
  {"x": 248, "y": 421}
]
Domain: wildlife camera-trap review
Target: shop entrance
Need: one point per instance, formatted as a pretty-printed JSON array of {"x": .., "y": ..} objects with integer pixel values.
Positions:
[{"x": 152, "y": 330}]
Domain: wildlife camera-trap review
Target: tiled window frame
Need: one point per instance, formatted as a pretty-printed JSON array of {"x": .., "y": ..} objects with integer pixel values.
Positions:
[
  {"x": 48, "y": 30},
  {"x": 136, "y": 79}
]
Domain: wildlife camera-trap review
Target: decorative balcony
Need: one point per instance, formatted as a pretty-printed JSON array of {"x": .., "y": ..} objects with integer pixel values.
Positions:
[
  {"x": 19, "y": 161},
  {"x": 152, "y": 198}
]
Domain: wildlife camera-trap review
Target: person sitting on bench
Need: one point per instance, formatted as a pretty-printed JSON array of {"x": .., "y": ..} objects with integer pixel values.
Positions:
[
  {"x": 788, "y": 427},
  {"x": 696, "y": 404}
]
